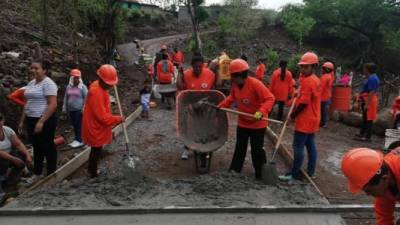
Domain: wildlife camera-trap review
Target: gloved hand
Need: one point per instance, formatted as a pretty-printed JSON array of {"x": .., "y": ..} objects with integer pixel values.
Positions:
[{"x": 258, "y": 115}]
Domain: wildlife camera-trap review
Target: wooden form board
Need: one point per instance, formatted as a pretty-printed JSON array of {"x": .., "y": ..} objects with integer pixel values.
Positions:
[{"x": 75, "y": 163}]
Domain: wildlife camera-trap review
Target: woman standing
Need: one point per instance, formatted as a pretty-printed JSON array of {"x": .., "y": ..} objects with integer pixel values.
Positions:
[
  {"x": 281, "y": 86},
  {"x": 251, "y": 96},
  {"x": 41, "y": 121},
  {"x": 74, "y": 99}
]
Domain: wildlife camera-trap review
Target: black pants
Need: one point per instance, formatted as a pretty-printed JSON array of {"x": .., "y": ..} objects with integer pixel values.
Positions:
[
  {"x": 94, "y": 157},
  {"x": 258, "y": 156},
  {"x": 5, "y": 165},
  {"x": 396, "y": 124},
  {"x": 43, "y": 145},
  {"x": 366, "y": 128},
  {"x": 76, "y": 120},
  {"x": 281, "y": 105}
]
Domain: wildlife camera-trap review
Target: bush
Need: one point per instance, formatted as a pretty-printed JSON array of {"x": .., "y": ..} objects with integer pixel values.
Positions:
[
  {"x": 271, "y": 58},
  {"x": 292, "y": 63},
  {"x": 190, "y": 46},
  {"x": 270, "y": 17},
  {"x": 210, "y": 47}
]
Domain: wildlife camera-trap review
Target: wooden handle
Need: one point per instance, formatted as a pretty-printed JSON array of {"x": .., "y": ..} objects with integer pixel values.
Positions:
[
  {"x": 279, "y": 141},
  {"x": 249, "y": 115},
  {"x": 122, "y": 115}
]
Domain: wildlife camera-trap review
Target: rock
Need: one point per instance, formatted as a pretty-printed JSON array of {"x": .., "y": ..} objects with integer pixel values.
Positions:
[
  {"x": 13, "y": 55},
  {"x": 351, "y": 118},
  {"x": 383, "y": 122},
  {"x": 58, "y": 75}
]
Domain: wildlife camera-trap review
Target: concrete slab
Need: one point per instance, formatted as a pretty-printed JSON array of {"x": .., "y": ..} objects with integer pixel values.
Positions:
[{"x": 183, "y": 219}]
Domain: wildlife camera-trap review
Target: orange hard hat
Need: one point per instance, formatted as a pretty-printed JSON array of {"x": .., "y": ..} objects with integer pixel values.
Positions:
[
  {"x": 164, "y": 47},
  {"x": 359, "y": 166},
  {"x": 75, "y": 73},
  {"x": 237, "y": 66},
  {"x": 329, "y": 65},
  {"x": 108, "y": 74},
  {"x": 309, "y": 58}
]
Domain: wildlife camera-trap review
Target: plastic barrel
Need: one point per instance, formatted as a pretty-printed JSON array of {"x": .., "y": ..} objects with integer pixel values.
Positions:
[
  {"x": 341, "y": 99},
  {"x": 391, "y": 135}
]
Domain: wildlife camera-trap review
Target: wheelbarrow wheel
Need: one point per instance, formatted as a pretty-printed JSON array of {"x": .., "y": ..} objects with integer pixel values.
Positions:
[{"x": 202, "y": 162}]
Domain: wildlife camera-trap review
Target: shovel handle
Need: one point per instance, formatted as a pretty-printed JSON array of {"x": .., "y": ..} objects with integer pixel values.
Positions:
[
  {"x": 242, "y": 113},
  {"x": 121, "y": 113},
  {"x": 279, "y": 141}
]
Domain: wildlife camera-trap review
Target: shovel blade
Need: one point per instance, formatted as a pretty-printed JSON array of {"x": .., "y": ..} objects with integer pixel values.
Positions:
[
  {"x": 133, "y": 170},
  {"x": 269, "y": 174}
]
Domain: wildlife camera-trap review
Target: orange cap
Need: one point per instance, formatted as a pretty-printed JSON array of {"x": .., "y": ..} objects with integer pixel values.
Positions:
[
  {"x": 237, "y": 66},
  {"x": 359, "y": 166},
  {"x": 329, "y": 65},
  {"x": 75, "y": 73},
  {"x": 309, "y": 58},
  {"x": 108, "y": 74}
]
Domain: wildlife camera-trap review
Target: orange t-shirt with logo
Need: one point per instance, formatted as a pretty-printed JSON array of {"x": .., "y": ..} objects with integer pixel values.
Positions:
[
  {"x": 281, "y": 89},
  {"x": 260, "y": 71},
  {"x": 165, "y": 77},
  {"x": 97, "y": 120},
  {"x": 205, "y": 81},
  {"x": 326, "y": 86},
  {"x": 252, "y": 97},
  {"x": 308, "y": 120}
]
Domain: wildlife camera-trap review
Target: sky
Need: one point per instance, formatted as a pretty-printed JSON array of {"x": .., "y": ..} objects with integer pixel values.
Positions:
[{"x": 266, "y": 4}]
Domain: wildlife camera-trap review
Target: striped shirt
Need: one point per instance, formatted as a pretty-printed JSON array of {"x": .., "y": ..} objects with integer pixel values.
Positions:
[{"x": 36, "y": 96}]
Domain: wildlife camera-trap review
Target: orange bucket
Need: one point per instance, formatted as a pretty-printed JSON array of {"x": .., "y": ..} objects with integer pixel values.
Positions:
[
  {"x": 59, "y": 140},
  {"x": 341, "y": 99}
]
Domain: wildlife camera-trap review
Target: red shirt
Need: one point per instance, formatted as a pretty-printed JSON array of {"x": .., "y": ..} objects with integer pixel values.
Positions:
[
  {"x": 97, "y": 121},
  {"x": 385, "y": 205},
  {"x": 165, "y": 77},
  {"x": 205, "y": 81},
  {"x": 310, "y": 94},
  {"x": 252, "y": 97},
  {"x": 260, "y": 71},
  {"x": 326, "y": 86},
  {"x": 281, "y": 89},
  {"x": 178, "y": 57}
]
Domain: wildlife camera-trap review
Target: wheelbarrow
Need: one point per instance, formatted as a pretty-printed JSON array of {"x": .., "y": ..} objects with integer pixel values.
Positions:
[
  {"x": 202, "y": 130},
  {"x": 167, "y": 92}
]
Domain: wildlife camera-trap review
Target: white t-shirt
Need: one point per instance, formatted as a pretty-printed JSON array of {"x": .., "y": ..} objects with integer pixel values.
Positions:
[
  {"x": 5, "y": 144},
  {"x": 36, "y": 96}
]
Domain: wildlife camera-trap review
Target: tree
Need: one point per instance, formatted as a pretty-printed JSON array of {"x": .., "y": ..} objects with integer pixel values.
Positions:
[
  {"x": 297, "y": 23},
  {"x": 197, "y": 15}
]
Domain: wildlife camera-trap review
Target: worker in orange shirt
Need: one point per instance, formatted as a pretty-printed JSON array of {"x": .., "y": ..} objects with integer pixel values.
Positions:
[
  {"x": 98, "y": 121},
  {"x": 396, "y": 113},
  {"x": 251, "y": 96},
  {"x": 178, "y": 58},
  {"x": 196, "y": 78},
  {"x": 377, "y": 175},
  {"x": 326, "y": 90},
  {"x": 281, "y": 85},
  {"x": 260, "y": 70},
  {"x": 307, "y": 115},
  {"x": 165, "y": 72}
]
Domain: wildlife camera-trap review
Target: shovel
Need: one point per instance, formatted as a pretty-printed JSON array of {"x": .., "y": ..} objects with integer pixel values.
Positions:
[
  {"x": 269, "y": 173},
  {"x": 132, "y": 162},
  {"x": 205, "y": 102}
]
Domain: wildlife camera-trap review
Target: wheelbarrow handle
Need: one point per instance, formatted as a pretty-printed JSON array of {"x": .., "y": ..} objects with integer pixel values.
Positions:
[{"x": 242, "y": 113}]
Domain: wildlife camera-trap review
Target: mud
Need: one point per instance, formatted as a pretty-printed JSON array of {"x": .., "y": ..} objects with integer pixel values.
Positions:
[{"x": 155, "y": 142}]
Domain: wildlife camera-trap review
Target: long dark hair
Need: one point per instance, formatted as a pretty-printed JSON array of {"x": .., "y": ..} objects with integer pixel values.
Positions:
[{"x": 283, "y": 65}]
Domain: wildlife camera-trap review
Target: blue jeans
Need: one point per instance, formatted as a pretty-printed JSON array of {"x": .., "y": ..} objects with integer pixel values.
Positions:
[
  {"x": 300, "y": 140},
  {"x": 324, "y": 113},
  {"x": 76, "y": 120}
]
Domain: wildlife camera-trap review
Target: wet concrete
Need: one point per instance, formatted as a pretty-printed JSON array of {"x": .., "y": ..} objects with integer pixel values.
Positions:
[{"x": 168, "y": 180}]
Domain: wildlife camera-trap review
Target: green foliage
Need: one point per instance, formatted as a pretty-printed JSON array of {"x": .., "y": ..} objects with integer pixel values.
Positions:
[
  {"x": 239, "y": 20},
  {"x": 297, "y": 22},
  {"x": 270, "y": 17},
  {"x": 271, "y": 58},
  {"x": 190, "y": 46},
  {"x": 210, "y": 47},
  {"x": 392, "y": 40},
  {"x": 292, "y": 63}
]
